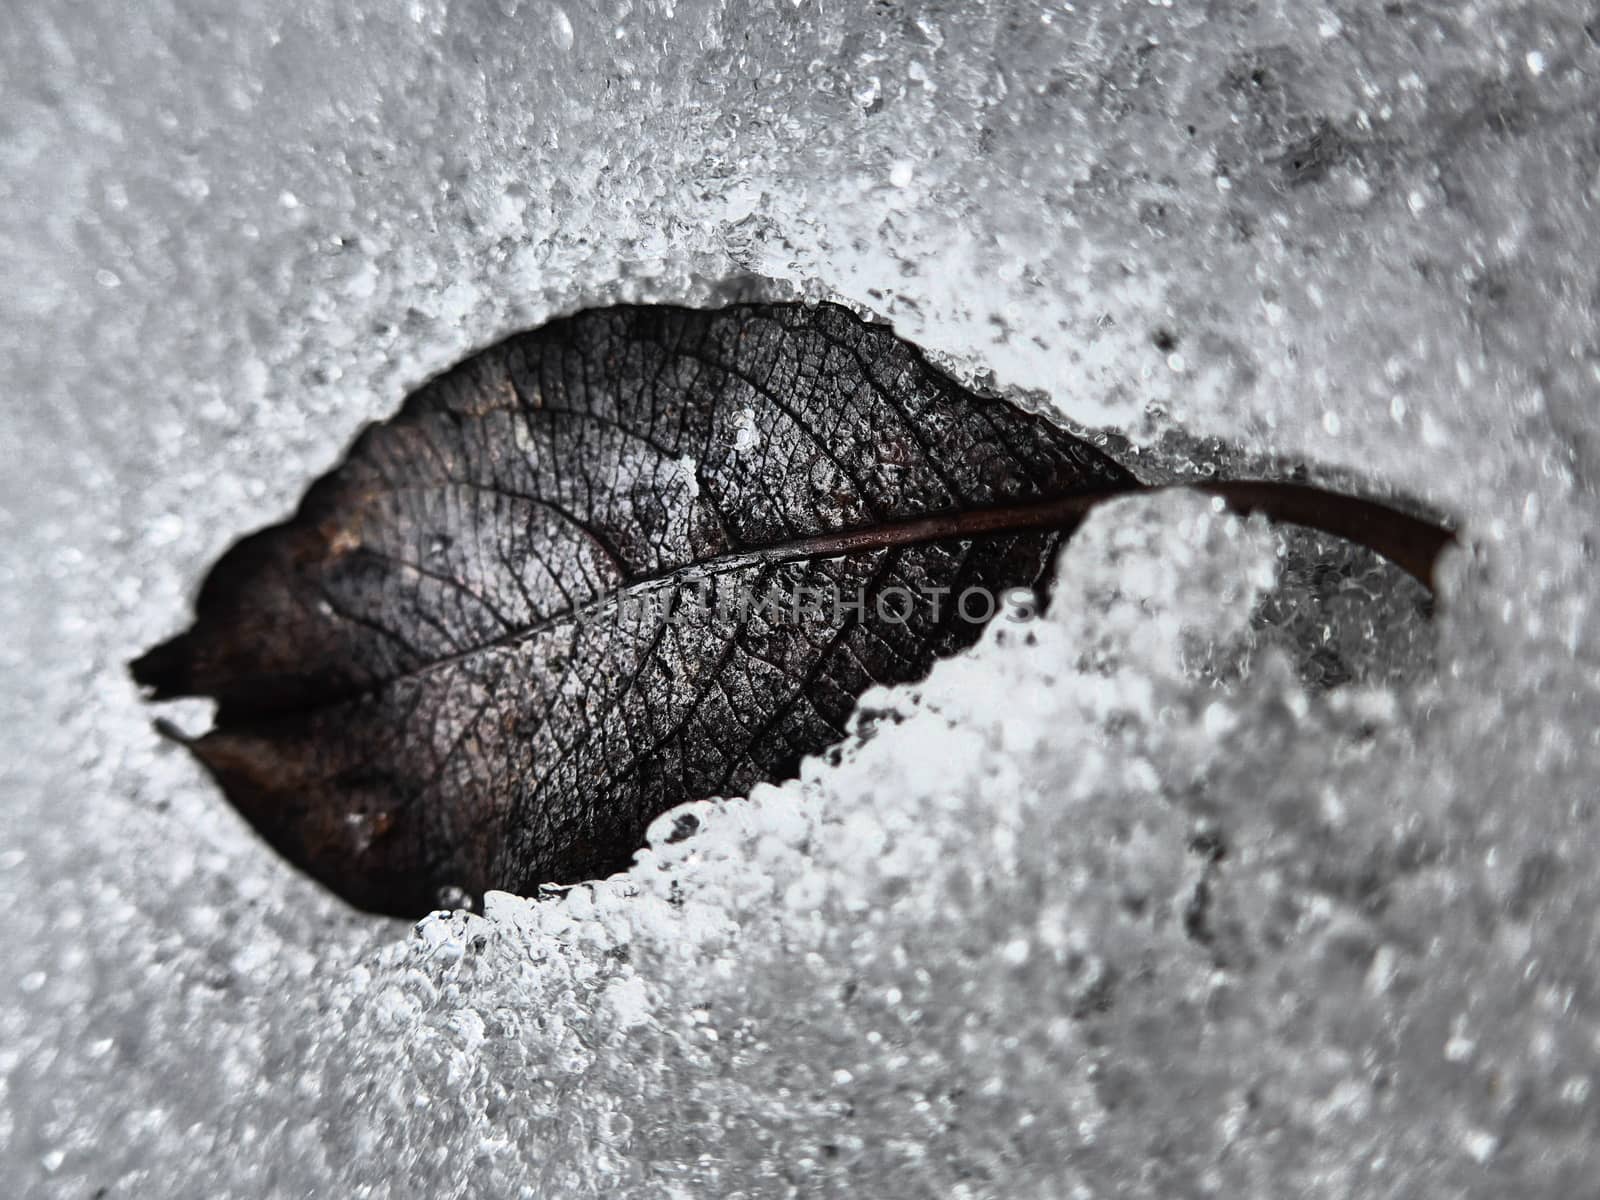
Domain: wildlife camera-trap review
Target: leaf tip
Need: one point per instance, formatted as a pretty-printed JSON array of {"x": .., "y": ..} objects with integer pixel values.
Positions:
[{"x": 163, "y": 671}]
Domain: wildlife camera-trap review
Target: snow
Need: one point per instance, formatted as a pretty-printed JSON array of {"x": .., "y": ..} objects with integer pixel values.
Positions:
[{"x": 991, "y": 950}]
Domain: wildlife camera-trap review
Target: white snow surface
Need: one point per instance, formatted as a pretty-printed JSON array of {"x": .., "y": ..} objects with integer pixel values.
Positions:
[{"x": 986, "y": 952}]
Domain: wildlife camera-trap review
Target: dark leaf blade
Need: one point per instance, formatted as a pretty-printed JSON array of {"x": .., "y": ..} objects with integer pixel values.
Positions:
[
  {"x": 442, "y": 674},
  {"x": 430, "y": 676}
]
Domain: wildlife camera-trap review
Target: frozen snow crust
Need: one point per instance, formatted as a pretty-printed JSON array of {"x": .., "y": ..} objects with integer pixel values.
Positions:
[{"x": 1124, "y": 903}]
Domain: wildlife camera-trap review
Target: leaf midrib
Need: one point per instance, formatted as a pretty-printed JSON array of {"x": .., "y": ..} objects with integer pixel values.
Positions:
[{"x": 1409, "y": 542}]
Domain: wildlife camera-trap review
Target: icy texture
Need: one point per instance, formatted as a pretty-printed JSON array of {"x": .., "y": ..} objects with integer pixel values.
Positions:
[{"x": 994, "y": 950}]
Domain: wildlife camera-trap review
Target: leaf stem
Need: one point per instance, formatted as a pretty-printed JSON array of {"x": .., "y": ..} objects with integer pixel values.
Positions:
[
  {"x": 1409, "y": 542},
  {"x": 1412, "y": 544}
]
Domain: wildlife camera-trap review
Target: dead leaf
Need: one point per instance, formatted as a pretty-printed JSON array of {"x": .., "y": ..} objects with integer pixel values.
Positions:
[{"x": 639, "y": 556}]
